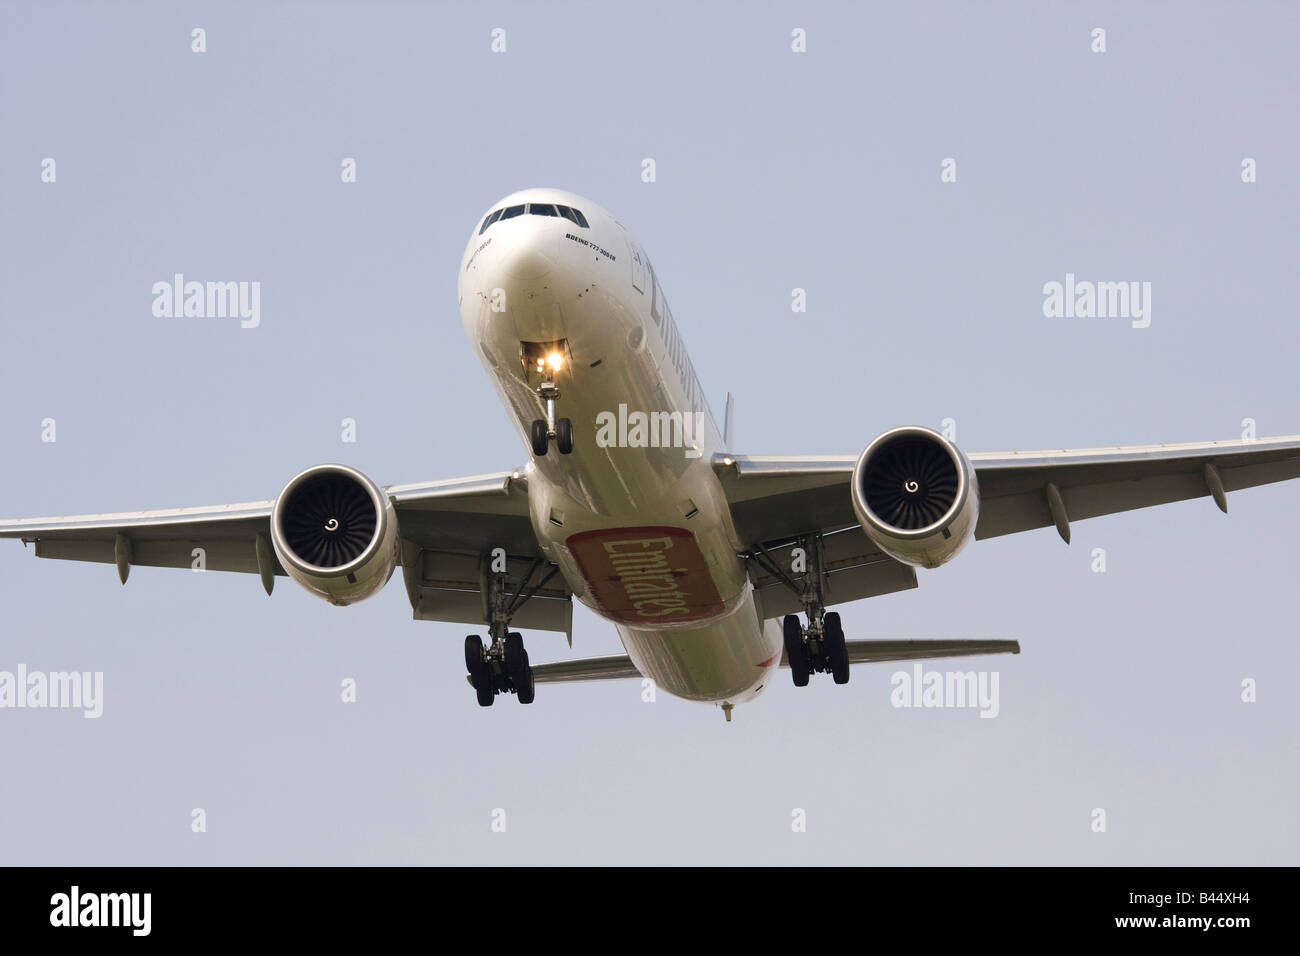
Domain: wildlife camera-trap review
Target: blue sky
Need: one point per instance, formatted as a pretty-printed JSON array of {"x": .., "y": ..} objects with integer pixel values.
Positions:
[{"x": 775, "y": 171}]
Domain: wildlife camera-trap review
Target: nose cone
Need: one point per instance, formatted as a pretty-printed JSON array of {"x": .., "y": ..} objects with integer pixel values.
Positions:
[
  {"x": 527, "y": 247},
  {"x": 524, "y": 261}
]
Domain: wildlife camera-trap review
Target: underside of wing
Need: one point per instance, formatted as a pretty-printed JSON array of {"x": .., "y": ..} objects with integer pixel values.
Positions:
[
  {"x": 457, "y": 539},
  {"x": 1014, "y": 492},
  {"x": 222, "y": 538},
  {"x": 778, "y": 498}
]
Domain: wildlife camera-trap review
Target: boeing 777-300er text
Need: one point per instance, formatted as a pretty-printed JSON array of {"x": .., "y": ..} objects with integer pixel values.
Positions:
[{"x": 715, "y": 567}]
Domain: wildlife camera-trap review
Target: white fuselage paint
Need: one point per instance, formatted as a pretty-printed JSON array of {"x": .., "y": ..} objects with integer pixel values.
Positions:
[{"x": 642, "y": 535}]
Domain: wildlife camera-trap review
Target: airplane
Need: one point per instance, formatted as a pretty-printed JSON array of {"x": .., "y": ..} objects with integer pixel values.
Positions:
[{"x": 716, "y": 568}]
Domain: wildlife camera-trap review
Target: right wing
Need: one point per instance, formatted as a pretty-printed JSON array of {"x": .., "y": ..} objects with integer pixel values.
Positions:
[{"x": 446, "y": 528}]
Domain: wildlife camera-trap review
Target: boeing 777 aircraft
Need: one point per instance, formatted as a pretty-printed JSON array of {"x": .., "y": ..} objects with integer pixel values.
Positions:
[{"x": 715, "y": 567}]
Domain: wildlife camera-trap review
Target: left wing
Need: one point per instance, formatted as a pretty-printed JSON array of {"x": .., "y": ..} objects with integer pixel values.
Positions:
[
  {"x": 780, "y": 499},
  {"x": 777, "y": 497}
]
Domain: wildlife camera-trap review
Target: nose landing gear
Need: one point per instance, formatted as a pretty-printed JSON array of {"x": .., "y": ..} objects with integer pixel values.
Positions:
[{"x": 546, "y": 361}]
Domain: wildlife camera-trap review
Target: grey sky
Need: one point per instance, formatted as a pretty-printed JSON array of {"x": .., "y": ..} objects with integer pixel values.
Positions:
[{"x": 775, "y": 170}]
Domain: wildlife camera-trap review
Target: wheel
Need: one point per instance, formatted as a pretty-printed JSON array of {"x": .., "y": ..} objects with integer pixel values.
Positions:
[
  {"x": 539, "y": 437},
  {"x": 473, "y": 654},
  {"x": 521, "y": 675},
  {"x": 837, "y": 652},
  {"x": 480, "y": 672},
  {"x": 525, "y": 690},
  {"x": 795, "y": 652},
  {"x": 564, "y": 436}
]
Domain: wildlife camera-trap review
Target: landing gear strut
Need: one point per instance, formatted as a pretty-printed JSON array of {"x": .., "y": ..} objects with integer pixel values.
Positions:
[
  {"x": 544, "y": 429},
  {"x": 818, "y": 647},
  {"x": 502, "y": 667}
]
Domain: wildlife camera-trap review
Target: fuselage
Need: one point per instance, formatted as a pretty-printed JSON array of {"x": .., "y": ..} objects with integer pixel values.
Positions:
[{"x": 635, "y": 516}]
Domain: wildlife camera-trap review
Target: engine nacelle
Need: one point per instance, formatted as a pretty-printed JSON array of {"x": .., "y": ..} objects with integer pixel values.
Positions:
[
  {"x": 916, "y": 496},
  {"x": 335, "y": 532}
]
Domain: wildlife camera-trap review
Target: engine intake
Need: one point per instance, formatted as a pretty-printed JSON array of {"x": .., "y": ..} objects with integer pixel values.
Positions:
[
  {"x": 916, "y": 496},
  {"x": 335, "y": 533}
]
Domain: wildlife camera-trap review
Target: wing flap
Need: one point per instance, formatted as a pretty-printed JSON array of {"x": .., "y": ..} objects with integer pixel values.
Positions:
[
  {"x": 854, "y": 569},
  {"x": 445, "y": 586},
  {"x": 474, "y": 514},
  {"x": 214, "y": 554}
]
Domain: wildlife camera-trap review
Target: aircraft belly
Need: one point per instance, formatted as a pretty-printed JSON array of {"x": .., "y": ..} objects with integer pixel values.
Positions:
[{"x": 728, "y": 659}]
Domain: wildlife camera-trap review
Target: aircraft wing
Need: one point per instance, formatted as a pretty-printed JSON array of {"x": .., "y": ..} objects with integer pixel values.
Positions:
[
  {"x": 446, "y": 527},
  {"x": 620, "y": 666},
  {"x": 776, "y": 499}
]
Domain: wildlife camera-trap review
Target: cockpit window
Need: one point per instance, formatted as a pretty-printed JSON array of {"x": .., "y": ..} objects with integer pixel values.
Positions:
[
  {"x": 535, "y": 209},
  {"x": 492, "y": 217}
]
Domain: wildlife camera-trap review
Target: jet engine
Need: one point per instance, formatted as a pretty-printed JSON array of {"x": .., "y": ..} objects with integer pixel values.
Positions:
[
  {"x": 335, "y": 533},
  {"x": 916, "y": 496}
]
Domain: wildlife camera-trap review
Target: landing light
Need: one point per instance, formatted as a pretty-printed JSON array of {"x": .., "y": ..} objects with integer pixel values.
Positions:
[{"x": 555, "y": 360}]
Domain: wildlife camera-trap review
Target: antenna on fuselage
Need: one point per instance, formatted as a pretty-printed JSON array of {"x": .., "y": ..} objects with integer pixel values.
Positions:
[{"x": 728, "y": 421}]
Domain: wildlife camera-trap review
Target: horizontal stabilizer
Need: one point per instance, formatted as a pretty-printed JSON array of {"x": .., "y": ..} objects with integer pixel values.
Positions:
[
  {"x": 878, "y": 652},
  {"x": 615, "y": 667},
  {"x": 619, "y": 666}
]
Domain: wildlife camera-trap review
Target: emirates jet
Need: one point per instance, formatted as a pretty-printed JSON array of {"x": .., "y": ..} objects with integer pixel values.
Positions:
[{"x": 714, "y": 566}]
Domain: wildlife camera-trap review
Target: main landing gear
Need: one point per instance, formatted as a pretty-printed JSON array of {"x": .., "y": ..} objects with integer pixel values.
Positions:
[
  {"x": 818, "y": 647},
  {"x": 499, "y": 669},
  {"x": 502, "y": 667},
  {"x": 544, "y": 429}
]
